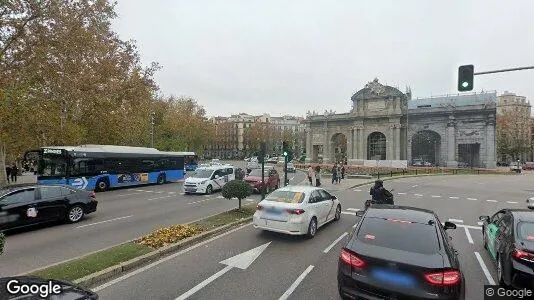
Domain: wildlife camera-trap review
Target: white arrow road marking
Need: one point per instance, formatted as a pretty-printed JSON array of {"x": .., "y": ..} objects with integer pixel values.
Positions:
[
  {"x": 295, "y": 284},
  {"x": 241, "y": 261},
  {"x": 484, "y": 269},
  {"x": 101, "y": 222},
  {"x": 335, "y": 242}
]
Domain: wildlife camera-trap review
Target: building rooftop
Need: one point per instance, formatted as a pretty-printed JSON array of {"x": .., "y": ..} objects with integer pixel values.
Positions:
[{"x": 454, "y": 100}]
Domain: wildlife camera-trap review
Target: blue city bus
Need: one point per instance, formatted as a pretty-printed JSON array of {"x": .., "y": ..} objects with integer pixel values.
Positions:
[{"x": 101, "y": 167}]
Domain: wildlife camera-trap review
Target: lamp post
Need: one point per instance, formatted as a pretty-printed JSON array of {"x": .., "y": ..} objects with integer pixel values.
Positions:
[{"x": 152, "y": 129}]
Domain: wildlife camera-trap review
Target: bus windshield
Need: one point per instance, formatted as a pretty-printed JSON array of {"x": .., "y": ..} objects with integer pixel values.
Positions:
[{"x": 52, "y": 165}]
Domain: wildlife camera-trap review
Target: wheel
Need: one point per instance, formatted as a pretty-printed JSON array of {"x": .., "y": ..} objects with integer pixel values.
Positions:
[
  {"x": 102, "y": 185},
  {"x": 338, "y": 213},
  {"x": 75, "y": 214},
  {"x": 312, "y": 228},
  {"x": 484, "y": 239},
  {"x": 161, "y": 179},
  {"x": 209, "y": 190}
]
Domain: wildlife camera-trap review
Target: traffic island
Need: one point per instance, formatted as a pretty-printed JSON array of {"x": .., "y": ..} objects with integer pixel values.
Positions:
[{"x": 97, "y": 267}]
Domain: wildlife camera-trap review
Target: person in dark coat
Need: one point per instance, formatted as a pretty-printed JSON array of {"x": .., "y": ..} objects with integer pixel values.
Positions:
[
  {"x": 334, "y": 174},
  {"x": 379, "y": 193},
  {"x": 318, "y": 176},
  {"x": 14, "y": 173}
]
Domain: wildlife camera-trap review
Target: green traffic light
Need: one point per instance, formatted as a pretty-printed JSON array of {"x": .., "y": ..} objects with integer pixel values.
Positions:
[
  {"x": 285, "y": 153},
  {"x": 465, "y": 84}
]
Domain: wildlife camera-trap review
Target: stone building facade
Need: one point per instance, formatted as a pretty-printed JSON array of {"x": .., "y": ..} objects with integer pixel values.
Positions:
[{"x": 385, "y": 127}]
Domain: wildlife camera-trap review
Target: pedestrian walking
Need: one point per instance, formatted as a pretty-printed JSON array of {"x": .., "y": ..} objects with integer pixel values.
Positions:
[
  {"x": 14, "y": 173},
  {"x": 311, "y": 175},
  {"x": 334, "y": 174},
  {"x": 339, "y": 174},
  {"x": 343, "y": 171},
  {"x": 318, "y": 176},
  {"x": 8, "y": 173}
]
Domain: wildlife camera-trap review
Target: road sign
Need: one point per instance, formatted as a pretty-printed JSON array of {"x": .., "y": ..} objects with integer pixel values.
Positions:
[{"x": 241, "y": 261}]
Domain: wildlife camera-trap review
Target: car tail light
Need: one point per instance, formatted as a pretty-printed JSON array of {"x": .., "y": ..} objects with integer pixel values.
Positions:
[
  {"x": 297, "y": 211},
  {"x": 92, "y": 194},
  {"x": 259, "y": 207},
  {"x": 520, "y": 254},
  {"x": 351, "y": 259},
  {"x": 443, "y": 278}
]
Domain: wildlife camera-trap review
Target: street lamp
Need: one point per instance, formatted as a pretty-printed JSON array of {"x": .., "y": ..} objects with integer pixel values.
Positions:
[{"x": 152, "y": 129}]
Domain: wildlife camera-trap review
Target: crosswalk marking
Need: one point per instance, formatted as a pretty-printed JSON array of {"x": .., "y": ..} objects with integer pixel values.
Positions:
[
  {"x": 491, "y": 200},
  {"x": 401, "y": 193},
  {"x": 357, "y": 190},
  {"x": 472, "y": 199},
  {"x": 454, "y": 198},
  {"x": 418, "y": 195},
  {"x": 348, "y": 213},
  {"x": 353, "y": 209},
  {"x": 511, "y": 202},
  {"x": 435, "y": 196}
]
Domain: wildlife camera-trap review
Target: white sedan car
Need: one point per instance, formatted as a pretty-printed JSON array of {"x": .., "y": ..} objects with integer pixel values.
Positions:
[{"x": 297, "y": 210}]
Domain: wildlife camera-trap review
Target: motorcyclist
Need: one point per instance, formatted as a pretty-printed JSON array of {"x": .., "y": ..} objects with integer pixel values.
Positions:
[{"x": 379, "y": 194}]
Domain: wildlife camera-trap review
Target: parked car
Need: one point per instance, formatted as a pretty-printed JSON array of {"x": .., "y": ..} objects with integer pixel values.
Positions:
[
  {"x": 400, "y": 252},
  {"x": 528, "y": 165},
  {"x": 33, "y": 204},
  {"x": 297, "y": 210},
  {"x": 272, "y": 160},
  {"x": 291, "y": 168},
  {"x": 508, "y": 236},
  {"x": 205, "y": 180},
  {"x": 271, "y": 176}
]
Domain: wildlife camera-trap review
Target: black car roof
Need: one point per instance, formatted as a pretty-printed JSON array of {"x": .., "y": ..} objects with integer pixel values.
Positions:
[{"x": 406, "y": 213}]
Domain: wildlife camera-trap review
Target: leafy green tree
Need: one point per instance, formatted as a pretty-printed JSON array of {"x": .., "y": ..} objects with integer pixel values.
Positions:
[{"x": 236, "y": 189}]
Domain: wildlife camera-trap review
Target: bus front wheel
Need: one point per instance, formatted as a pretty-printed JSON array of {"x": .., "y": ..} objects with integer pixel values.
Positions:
[
  {"x": 102, "y": 185},
  {"x": 161, "y": 179}
]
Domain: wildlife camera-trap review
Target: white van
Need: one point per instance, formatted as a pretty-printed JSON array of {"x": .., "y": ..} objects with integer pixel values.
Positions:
[{"x": 205, "y": 180}]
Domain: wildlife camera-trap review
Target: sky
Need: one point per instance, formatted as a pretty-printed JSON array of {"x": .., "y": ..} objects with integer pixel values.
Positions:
[{"x": 290, "y": 57}]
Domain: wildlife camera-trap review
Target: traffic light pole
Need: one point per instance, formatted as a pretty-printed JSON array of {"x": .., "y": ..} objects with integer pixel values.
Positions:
[
  {"x": 263, "y": 186},
  {"x": 504, "y": 70},
  {"x": 285, "y": 170}
]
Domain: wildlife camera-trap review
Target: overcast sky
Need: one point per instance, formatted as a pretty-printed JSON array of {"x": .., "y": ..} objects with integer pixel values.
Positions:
[{"x": 287, "y": 57}]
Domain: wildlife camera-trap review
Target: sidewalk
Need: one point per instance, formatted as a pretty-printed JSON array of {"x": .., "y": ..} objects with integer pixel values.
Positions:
[{"x": 24, "y": 179}]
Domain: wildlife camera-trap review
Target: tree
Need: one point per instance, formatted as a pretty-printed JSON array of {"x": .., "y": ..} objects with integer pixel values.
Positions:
[
  {"x": 512, "y": 138},
  {"x": 2, "y": 242},
  {"x": 236, "y": 189}
]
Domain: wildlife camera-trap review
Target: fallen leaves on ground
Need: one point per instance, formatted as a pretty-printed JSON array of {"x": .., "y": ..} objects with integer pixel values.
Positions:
[{"x": 169, "y": 235}]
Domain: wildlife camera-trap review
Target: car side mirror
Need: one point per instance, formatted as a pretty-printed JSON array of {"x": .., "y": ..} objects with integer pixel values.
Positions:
[
  {"x": 360, "y": 213},
  {"x": 449, "y": 225},
  {"x": 484, "y": 218},
  {"x": 334, "y": 198}
]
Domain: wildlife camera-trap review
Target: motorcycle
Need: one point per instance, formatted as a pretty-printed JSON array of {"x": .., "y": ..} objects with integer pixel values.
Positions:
[{"x": 370, "y": 201}]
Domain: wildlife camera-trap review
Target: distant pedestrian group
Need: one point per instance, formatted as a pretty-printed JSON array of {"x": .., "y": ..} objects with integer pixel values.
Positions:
[
  {"x": 314, "y": 174},
  {"x": 11, "y": 173},
  {"x": 338, "y": 173}
]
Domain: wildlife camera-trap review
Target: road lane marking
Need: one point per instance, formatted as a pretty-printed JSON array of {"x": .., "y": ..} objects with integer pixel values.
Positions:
[
  {"x": 335, "y": 242},
  {"x": 250, "y": 200},
  {"x": 469, "y": 226},
  {"x": 456, "y": 221},
  {"x": 353, "y": 209},
  {"x": 435, "y": 196},
  {"x": 220, "y": 197},
  {"x": 348, "y": 213},
  {"x": 206, "y": 195},
  {"x": 401, "y": 193},
  {"x": 181, "y": 194},
  {"x": 480, "y": 223},
  {"x": 291, "y": 178},
  {"x": 468, "y": 234},
  {"x": 101, "y": 222},
  {"x": 130, "y": 194},
  {"x": 143, "y": 191},
  {"x": 414, "y": 185},
  {"x": 484, "y": 269},
  {"x": 295, "y": 284},
  {"x": 418, "y": 195},
  {"x": 492, "y": 200},
  {"x": 454, "y": 198},
  {"x": 356, "y": 190},
  {"x": 472, "y": 199},
  {"x": 167, "y": 258},
  {"x": 160, "y": 192},
  {"x": 172, "y": 193},
  {"x": 511, "y": 202},
  {"x": 205, "y": 283},
  {"x": 151, "y": 199}
]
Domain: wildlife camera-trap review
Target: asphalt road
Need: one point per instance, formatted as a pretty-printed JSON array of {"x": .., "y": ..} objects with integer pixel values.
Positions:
[
  {"x": 122, "y": 215},
  {"x": 297, "y": 268}
]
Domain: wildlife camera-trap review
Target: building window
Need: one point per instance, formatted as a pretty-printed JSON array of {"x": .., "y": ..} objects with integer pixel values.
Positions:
[{"x": 376, "y": 146}]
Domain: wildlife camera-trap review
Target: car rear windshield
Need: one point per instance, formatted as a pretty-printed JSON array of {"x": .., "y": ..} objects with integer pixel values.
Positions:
[
  {"x": 286, "y": 196},
  {"x": 399, "y": 235},
  {"x": 525, "y": 231}
]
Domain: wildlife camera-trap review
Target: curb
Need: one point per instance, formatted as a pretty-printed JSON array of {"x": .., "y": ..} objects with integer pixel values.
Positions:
[{"x": 114, "y": 271}]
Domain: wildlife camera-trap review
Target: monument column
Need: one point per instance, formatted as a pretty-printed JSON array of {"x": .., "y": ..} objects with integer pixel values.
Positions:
[
  {"x": 326, "y": 147},
  {"x": 451, "y": 143},
  {"x": 397, "y": 142},
  {"x": 309, "y": 144},
  {"x": 355, "y": 152},
  {"x": 491, "y": 163},
  {"x": 349, "y": 136}
]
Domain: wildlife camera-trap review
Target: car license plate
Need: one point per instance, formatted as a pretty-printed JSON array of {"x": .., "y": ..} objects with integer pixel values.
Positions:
[
  {"x": 190, "y": 189},
  {"x": 394, "y": 277}
]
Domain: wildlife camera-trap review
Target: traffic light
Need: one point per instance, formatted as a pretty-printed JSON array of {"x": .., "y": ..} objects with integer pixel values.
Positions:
[
  {"x": 285, "y": 148},
  {"x": 466, "y": 78},
  {"x": 261, "y": 156}
]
